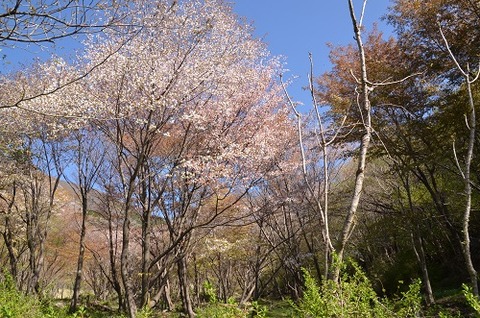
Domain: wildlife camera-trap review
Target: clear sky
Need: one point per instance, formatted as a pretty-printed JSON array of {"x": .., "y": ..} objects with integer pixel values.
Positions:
[{"x": 293, "y": 28}]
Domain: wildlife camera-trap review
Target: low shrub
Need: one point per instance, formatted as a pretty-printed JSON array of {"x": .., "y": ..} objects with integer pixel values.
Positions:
[{"x": 354, "y": 296}]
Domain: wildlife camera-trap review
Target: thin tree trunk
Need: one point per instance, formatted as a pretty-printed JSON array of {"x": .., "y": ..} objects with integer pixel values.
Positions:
[
  {"x": 32, "y": 256},
  {"x": 145, "y": 293},
  {"x": 33, "y": 235},
  {"x": 184, "y": 290},
  {"x": 8, "y": 239},
  {"x": 124, "y": 265},
  {"x": 168, "y": 297},
  {"x": 196, "y": 278},
  {"x": 365, "y": 109},
  {"x": 163, "y": 291},
  {"x": 468, "y": 189},
  {"x": 257, "y": 268},
  {"x": 8, "y": 235},
  {"x": 417, "y": 243},
  {"x": 113, "y": 264},
  {"x": 466, "y": 172},
  {"x": 81, "y": 256}
]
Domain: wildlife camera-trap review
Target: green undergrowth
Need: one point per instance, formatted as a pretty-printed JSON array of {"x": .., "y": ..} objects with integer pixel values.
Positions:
[
  {"x": 215, "y": 309},
  {"x": 353, "y": 296},
  {"x": 15, "y": 304}
]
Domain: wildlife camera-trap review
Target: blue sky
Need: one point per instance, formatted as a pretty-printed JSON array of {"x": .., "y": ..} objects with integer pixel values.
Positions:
[{"x": 295, "y": 28}]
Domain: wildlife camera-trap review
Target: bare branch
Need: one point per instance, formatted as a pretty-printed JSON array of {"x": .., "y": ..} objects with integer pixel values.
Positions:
[
  {"x": 447, "y": 46},
  {"x": 42, "y": 21},
  {"x": 378, "y": 84},
  {"x": 299, "y": 125},
  {"x": 354, "y": 77},
  {"x": 476, "y": 75},
  {"x": 363, "y": 12}
]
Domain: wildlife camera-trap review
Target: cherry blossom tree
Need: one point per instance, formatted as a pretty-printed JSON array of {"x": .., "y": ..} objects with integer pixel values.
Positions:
[{"x": 191, "y": 106}]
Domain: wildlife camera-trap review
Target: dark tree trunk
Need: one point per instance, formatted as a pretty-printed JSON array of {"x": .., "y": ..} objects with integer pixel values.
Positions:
[
  {"x": 184, "y": 290},
  {"x": 146, "y": 258},
  {"x": 125, "y": 266},
  {"x": 81, "y": 256},
  {"x": 422, "y": 261}
]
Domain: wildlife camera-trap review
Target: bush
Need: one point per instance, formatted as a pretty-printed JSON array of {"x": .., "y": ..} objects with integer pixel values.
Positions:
[
  {"x": 410, "y": 302},
  {"x": 209, "y": 293},
  {"x": 354, "y": 296}
]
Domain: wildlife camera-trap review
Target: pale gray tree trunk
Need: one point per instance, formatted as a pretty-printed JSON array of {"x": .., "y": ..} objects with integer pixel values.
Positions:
[
  {"x": 470, "y": 119},
  {"x": 468, "y": 189},
  {"x": 365, "y": 109}
]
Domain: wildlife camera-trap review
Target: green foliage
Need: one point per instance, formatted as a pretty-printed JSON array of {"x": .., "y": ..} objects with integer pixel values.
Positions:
[
  {"x": 50, "y": 311},
  {"x": 472, "y": 300},
  {"x": 80, "y": 313},
  {"x": 215, "y": 309},
  {"x": 219, "y": 310},
  {"x": 410, "y": 302},
  {"x": 313, "y": 303},
  {"x": 447, "y": 314},
  {"x": 354, "y": 296},
  {"x": 145, "y": 312},
  {"x": 258, "y": 311},
  {"x": 14, "y": 304},
  {"x": 280, "y": 309},
  {"x": 210, "y": 292}
]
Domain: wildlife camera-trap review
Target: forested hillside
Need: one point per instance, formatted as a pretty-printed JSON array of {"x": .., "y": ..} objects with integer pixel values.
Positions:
[{"x": 166, "y": 170}]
